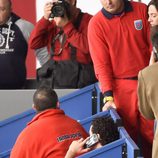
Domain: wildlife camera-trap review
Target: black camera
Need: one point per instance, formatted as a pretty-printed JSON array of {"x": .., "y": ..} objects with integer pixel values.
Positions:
[
  {"x": 93, "y": 139},
  {"x": 59, "y": 9}
]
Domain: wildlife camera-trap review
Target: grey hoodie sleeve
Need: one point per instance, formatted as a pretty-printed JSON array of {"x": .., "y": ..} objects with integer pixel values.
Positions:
[{"x": 26, "y": 27}]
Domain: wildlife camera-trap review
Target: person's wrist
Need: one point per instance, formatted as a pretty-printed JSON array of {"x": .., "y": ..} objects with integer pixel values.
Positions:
[
  {"x": 73, "y": 153},
  {"x": 70, "y": 154},
  {"x": 107, "y": 96}
]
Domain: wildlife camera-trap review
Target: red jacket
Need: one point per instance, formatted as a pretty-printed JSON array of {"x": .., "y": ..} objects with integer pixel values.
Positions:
[
  {"x": 48, "y": 135},
  {"x": 119, "y": 45},
  {"x": 45, "y": 31}
]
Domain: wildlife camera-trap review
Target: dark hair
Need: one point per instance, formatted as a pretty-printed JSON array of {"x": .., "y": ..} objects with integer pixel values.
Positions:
[
  {"x": 153, "y": 2},
  {"x": 106, "y": 128},
  {"x": 45, "y": 98},
  {"x": 154, "y": 36}
]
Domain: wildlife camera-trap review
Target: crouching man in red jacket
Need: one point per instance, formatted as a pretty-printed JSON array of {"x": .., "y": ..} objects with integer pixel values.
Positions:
[{"x": 50, "y": 132}]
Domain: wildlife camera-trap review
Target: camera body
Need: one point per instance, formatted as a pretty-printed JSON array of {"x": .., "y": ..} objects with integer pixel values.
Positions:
[
  {"x": 93, "y": 139},
  {"x": 59, "y": 9}
]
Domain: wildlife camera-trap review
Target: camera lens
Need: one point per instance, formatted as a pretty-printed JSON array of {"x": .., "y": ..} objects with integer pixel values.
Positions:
[{"x": 57, "y": 10}]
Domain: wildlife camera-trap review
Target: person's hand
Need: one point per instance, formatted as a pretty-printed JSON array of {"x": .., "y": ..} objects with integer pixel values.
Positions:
[
  {"x": 47, "y": 10},
  {"x": 61, "y": 21},
  {"x": 77, "y": 148},
  {"x": 108, "y": 105}
]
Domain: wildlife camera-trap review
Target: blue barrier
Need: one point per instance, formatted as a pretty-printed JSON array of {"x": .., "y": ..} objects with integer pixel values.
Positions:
[
  {"x": 99, "y": 97},
  {"x": 132, "y": 149},
  {"x": 80, "y": 104},
  {"x": 111, "y": 150},
  {"x": 5, "y": 154},
  {"x": 11, "y": 127}
]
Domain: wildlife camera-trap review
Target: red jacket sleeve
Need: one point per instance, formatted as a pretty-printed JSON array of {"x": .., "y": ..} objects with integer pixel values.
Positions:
[
  {"x": 100, "y": 56},
  {"x": 40, "y": 35},
  {"x": 78, "y": 37}
]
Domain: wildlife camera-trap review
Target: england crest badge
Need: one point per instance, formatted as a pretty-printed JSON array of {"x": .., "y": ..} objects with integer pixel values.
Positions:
[{"x": 138, "y": 24}]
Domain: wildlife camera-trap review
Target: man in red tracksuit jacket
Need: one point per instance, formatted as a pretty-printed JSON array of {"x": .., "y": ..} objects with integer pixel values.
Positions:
[
  {"x": 61, "y": 32},
  {"x": 120, "y": 46},
  {"x": 50, "y": 132}
]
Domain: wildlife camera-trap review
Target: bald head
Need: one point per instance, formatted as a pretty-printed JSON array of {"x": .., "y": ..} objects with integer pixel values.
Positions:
[
  {"x": 5, "y": 3},
  {"x": 5, "y": 10},
  {"x": 45, "y": 98}
]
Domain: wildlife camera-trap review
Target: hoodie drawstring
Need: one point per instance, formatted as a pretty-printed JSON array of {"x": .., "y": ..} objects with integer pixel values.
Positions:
[{"x": 9, "y": 26}]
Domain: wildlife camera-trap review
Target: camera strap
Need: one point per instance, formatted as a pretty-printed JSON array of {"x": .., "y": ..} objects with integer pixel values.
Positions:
[{"x": 62, "y": 38}]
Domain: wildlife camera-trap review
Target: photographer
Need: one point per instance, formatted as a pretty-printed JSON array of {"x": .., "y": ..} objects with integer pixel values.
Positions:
[
  {"x": 103, "y": 128},
  {"x": 65, "y": 36}
]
